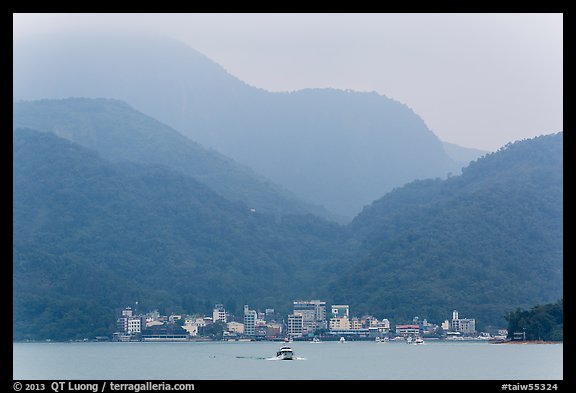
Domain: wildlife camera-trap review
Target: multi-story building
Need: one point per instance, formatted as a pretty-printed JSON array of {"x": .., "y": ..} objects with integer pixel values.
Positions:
[
  {"x": 134, "y": 325},
  {"x": 313, "y": 315},
  {"x": 219, "y": 313},
  {"x": 340, "y": 323},
  {"x": 295, "y": 325},
  {"x": 384, "y": 324},
  {"x": 250, "y": 317},
  {"x": 463, "y": 326},
  {"x": 342, "y": 310},
  {"x": 355, "y": 324},
  {"x": 407, "y": 330}
]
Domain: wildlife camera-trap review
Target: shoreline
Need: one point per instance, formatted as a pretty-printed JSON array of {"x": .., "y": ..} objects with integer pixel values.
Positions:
[{"x": 531, "y": 342}]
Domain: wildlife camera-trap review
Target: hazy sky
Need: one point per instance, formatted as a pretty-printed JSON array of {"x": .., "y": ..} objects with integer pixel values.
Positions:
[{"x": 478, "y": 80}]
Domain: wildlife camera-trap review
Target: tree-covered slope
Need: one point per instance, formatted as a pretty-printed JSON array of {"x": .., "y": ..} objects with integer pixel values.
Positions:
[
  {"x": 337, "y": 149},
  {"x": 483, "y": 242},
  {"x": 91, "y": 236},
  {"x": 120, "y": 133},
  {"x": 541, "y": 322}
]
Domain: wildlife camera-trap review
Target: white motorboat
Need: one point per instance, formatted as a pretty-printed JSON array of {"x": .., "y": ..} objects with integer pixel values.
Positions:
[
  {"x": 342, "y": 340},
  {"x": 316, "y": 340},
  {"x": 285, "y": 353},
  {"x": 409, "y": 340},
  {"x": 418, "y": 341}
]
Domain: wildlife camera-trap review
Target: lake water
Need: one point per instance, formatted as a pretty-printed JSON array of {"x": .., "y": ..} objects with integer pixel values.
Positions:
[{"x": 250, "y": 360}]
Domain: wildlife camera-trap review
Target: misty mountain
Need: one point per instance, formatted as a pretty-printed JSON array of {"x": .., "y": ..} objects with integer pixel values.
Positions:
[
  {"x": 462, "y": 155},
  {"x": 337, "y": 149},
  {"x": 120, "y": 133},
  {"x": 484, "y": 243},
  {"x": 91, "y": 235}
]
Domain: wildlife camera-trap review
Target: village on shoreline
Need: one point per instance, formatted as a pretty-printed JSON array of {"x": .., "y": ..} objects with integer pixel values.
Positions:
[{"x": 310, "y": 320}]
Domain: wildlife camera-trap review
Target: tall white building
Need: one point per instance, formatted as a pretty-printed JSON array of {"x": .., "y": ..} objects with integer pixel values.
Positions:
[
  {"x": 464, "y": 326},
  {"x": 134, "y": 325},
  {"x": 295, "y": 325},
  {"x": 219, "y": 313}
]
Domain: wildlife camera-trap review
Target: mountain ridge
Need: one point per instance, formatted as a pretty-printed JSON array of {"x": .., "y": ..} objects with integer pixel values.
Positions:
[
  {"x": 338, "y": 149},
  {"x": 119, "y": 132}
]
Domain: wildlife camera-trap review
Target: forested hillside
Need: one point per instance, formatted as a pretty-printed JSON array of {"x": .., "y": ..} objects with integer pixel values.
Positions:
[
  {"x": 91, "y": 236},
  {"x": 483, "y": 242}
]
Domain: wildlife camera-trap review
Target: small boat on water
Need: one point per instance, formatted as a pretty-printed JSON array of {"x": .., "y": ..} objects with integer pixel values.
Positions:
[
  {"x": 409, "y": 339},
  {"x": 418, "y": 341},
  {"x": 342, "y": 340},
  {"x": 285, "y": 353},
  {"x": 316, "y": 340}
]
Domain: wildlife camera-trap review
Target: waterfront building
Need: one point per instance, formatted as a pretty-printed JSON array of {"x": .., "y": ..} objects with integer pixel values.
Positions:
[
  {"x": 295, "y": 325},
  {"x": 464, "y": 326},
  {"x": 313, "y": 315},
  {"x": 355, "y": 324},
  {"x": 250, "y": 317},
  {"x": 134, "y": 325},
  {"x": 384, "y": 324},
  {"x": 340, "y": 323},
  {"x": 407, "y": 330},
  {"x": 273, "y": 330}
]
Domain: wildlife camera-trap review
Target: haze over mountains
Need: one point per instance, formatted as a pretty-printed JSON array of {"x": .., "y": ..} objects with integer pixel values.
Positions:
[
  {"x": 116, "y": 202},
  {"x": 121, "y": 133},
  {"x": 332, "y": 148}
]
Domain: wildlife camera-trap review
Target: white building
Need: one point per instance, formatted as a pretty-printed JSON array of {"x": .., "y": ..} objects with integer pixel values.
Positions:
[
  {"x": 295, "y": 325},
  {"x": 464, "y": 326},
  {"x": 407, "y": 330},
  {"x": 134, "y": 325},
  {"x": 219, "y": 313}
]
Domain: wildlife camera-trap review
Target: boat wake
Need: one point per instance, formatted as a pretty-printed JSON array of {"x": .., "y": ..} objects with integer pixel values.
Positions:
[
  {"x": 261, "y": 358},
  {"x": 279, "y": 358}
]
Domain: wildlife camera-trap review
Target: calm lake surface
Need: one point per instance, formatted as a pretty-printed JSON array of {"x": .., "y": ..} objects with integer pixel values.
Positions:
[{"x": 251, "y": 360}]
